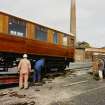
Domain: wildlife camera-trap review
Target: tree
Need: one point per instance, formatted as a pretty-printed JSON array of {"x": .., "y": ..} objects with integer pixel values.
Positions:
[{"x": 82, "y": 45}]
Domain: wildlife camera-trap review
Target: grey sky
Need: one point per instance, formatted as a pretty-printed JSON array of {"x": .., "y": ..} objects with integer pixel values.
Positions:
[{"x": 55, "y": 14}]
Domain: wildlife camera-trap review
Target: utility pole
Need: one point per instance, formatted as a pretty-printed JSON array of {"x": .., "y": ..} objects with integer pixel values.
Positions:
[{"x": 73, "y": 17}]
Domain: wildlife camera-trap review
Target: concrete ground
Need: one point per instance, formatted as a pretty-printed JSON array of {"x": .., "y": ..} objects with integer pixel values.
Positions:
[{"x": 77, "y": 88}]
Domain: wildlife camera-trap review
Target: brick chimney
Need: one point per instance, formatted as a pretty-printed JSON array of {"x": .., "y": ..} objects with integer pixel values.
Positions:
[{"x": 73, "y": 17}]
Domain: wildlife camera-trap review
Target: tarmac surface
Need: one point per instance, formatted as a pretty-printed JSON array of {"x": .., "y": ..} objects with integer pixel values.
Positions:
[{"x": 78, "y": 88}]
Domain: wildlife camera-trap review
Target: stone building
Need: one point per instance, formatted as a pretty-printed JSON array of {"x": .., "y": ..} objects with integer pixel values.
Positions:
[
  {"x": 92, "y": 53},
  {"x": 79, "y": 55}
]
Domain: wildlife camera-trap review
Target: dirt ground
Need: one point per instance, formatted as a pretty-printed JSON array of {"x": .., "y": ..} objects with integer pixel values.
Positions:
[{"x": 53, "y": 92}]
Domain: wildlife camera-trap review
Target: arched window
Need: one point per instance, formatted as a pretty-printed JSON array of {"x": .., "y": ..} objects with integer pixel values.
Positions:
[
  {"x": 41, "y": 33},
  {"x": 55, "y": 37}
]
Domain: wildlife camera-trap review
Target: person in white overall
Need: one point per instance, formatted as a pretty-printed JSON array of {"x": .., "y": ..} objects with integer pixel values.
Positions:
[
  {"x": 24, "y": 68},
  {"x": 100, "y": 68}
]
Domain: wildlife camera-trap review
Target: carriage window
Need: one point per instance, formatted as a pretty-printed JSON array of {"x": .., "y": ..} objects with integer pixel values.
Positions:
[
  {"x": 72, "y": 42},
  {"x": 41, "y": 33},
  {"x": 65, "y": 42},
  {"x": 55, "y": 38},
  {"x": 17, "y": 27}
]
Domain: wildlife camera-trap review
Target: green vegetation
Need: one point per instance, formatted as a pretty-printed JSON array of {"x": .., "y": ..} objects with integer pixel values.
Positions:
[{"x": 82, "y": 45}]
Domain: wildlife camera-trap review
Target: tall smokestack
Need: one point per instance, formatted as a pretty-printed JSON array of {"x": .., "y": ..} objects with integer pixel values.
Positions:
[{"x": 73, "y": 17}]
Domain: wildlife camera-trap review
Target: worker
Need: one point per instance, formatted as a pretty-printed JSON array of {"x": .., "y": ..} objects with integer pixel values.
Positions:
[
  {"x": 38, "y": 69},
  {"x": 101, "y": 68},
  {"x": 95, "y": 66},
  {"x": 24, "y": 68}
]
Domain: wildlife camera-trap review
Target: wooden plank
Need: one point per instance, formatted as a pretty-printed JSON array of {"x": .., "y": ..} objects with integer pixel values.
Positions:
[
  {"x": 5, "y": 24},
  {"x": 9, "y": 80},
  {"x": 8, "y": 73},
  {"x": 1, "y": 23},
  {"x": 60, "y": 37},
  {"x": 50, "y": 36},
  {"x": 9, "y": 43},
  {"x": 30, "y": 30}
]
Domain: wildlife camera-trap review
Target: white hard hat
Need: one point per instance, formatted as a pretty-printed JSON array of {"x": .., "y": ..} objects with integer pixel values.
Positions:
[{"x": 25, "y": 56}]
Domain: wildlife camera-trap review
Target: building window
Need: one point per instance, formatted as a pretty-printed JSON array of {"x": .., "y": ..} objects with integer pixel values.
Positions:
[
  {"x": 17, "y": 27},
  {"x": 65, "y": 41},
  {"x": 55, "y": 37},
  {"x": 41, "y": 33}
]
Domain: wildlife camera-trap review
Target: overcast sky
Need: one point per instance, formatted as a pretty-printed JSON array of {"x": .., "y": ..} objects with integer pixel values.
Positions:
[{"x": 55, "y": 14}]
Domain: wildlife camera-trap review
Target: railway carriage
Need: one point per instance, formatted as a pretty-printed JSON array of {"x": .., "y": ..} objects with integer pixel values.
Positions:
[{"x": 19, "y": 36}]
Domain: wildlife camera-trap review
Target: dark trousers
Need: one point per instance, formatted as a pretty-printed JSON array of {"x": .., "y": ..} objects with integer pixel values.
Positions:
[
  {"x": 37, "y": 75},
  {"x": 103, "y": 73}
]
